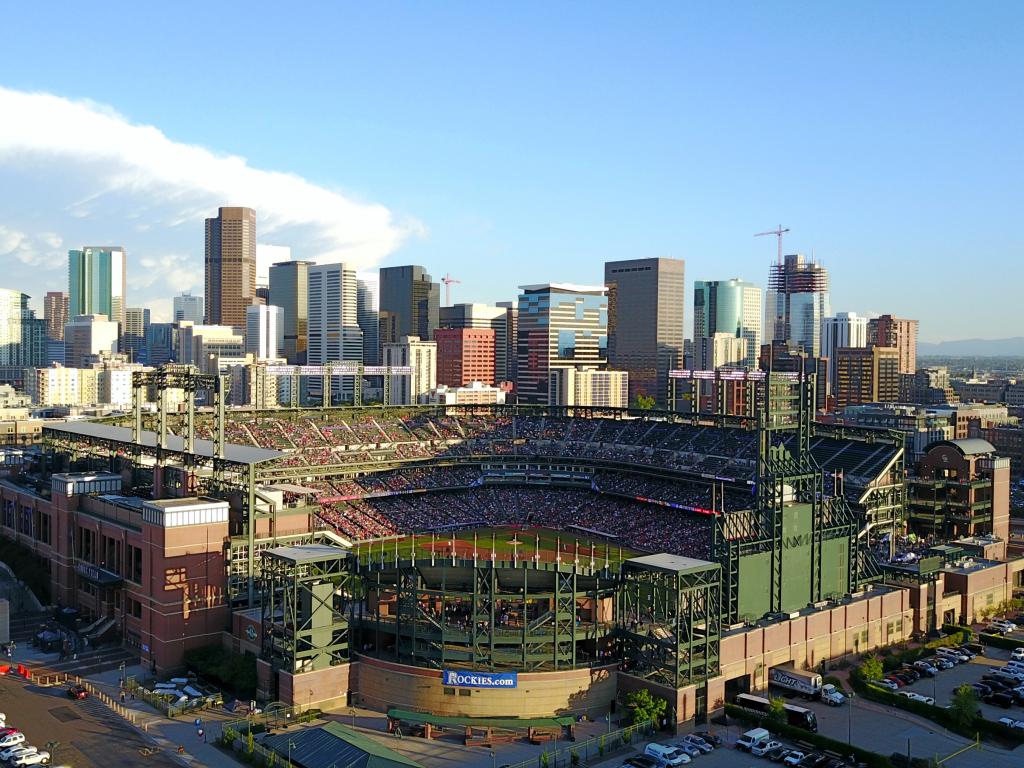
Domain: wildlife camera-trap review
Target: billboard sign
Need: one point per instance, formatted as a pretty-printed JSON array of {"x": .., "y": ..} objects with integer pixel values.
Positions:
[{"x": 468, "y": 679}]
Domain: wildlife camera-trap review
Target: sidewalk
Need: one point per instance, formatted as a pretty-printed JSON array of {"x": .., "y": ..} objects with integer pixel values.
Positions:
[{"x": 169, "y": 734}]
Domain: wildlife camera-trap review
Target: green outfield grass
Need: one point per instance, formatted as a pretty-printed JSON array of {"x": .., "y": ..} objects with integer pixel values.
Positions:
[{"x": 507, "y": 542}]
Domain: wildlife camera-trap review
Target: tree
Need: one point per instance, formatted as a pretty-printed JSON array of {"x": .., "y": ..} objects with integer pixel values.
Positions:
[
  {"x": 964, "y": 706},
  {"x": 871, "y": 669},
  {"x": 777, "y": 710},
  {"x": 250, "y": 743},
  {"x": 643, "y": 402},
  {"x": 646, "y": 707}
]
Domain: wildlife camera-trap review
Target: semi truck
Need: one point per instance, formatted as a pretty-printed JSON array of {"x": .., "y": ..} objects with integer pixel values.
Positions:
[{"x": 804, "y": 682}]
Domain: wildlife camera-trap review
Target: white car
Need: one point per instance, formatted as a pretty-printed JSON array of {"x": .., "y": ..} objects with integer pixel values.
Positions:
[
  {"x": 12, "y": 740},
  {"x": 762, "y": 749},
  {"x": 886, "y": 684},
  {"x": 1018, "y": 653},
  {"x": 12, "y": 754},
  {"x": 1009, "y": 722},
  {"x": 794, "y": 758},
  {"x": 1008, "y": 626},
  {"x": 33, "y": 758},
  {"x": 917, "y": 697}
]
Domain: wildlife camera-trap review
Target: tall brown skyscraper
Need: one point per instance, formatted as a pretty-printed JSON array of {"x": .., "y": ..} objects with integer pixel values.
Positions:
[
  {"x": 645, "y": 322},
  {"x": 889, "y": 331},
  {"x": 55, "y": 310},
  {"x": 230, "y": 266}
]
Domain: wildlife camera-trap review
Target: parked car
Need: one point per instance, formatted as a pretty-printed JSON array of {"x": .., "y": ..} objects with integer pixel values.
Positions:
[
  {"x": 1001, "y": 699},
  {"x": 690, "y": 749},
  {"x": 665, "y": 755},
  {"x": 12, "y": 751},
  {"x": 994, "y": 629},
  {"x": 794, "y": 757},
  {"x": 1017, "y": 654},
  {"x": 925, "y": 668},
  {"x": 1009, "y": 722},
  {"x": 702, "y": 744},
  {"x": 762, "y": 749},
  {"x": 814, "y": 760},
  {"x": 966, "y": 652},
  {"x": 980, "y": 689},
  {"x": 892, "y": 685},
  {"x": 639, "y": 762},
  {"x": 942, "y": 663},
  {"x": 32, "y": 758},
  {"x": 12, "y": 739},
  {"x": 1007, "y": 626},
  {"x": 778, "y": 754},
  {"x": 910, "y": 672},
  {"x": 976, "y": 648},
  {"x": 711, "y": 738},
  {"x": 78, "y": 692}
]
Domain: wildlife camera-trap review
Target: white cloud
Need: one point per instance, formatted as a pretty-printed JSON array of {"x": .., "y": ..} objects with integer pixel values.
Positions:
[{"x": 79, "y": 173}]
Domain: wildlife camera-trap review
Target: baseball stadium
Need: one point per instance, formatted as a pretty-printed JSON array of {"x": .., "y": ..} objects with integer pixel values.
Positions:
[{"x": 476, "y": 561}]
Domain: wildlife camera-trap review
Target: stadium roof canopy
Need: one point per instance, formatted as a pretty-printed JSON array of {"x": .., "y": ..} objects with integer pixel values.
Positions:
[
  {"x": 508, "y": 723},
  {"x": 335, "y": 746},
  {"x": 671, "y": 563},
  {"x": 971, "y": 446},
  {"x": 306, "y": 553},
  {"x": 234, "y": 453}
]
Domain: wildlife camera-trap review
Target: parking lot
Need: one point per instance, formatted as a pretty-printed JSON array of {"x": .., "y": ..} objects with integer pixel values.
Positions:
[{"x": 90, "y": 735}]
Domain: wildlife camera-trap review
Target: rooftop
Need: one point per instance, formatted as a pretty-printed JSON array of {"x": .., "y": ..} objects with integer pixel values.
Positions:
[
  {"x": 671, "y": 563},
  {"x": 336, "y": 746},
  {"x": 306, "y": 553},
  {"x": 234, "y": 453}
]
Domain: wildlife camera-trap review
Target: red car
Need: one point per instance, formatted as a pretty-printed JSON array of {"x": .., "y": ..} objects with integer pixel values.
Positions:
[{"x": 78, "y": 692}]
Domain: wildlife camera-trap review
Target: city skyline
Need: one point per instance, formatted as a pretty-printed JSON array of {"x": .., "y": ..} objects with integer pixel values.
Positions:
[{"x": 623, "y": 136}]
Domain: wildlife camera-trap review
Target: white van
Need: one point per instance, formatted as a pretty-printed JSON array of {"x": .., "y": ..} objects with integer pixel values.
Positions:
[
  {"x": 751, "y": 738},
  {"x": 666, "y": 755}
]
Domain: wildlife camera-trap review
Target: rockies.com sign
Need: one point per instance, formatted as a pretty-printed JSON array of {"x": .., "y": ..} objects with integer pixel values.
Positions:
[{"x": 461, "y": 678}]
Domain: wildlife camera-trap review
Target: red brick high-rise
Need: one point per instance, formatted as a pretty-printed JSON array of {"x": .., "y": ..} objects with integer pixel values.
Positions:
[{"x": 464, "y": 355}]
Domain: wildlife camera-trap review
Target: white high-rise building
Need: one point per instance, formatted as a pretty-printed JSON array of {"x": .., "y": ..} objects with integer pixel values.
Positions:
[
  {"x": 845, "y": 329},
  {"x": 422, "y": 356},
  {"x": 188, "y": 307},
  {"x": 334, "y": 333},
  {"x": 367, "y": 315},
  {"x": 264, "y": 331},
  {"x": 88, "y": 335}
]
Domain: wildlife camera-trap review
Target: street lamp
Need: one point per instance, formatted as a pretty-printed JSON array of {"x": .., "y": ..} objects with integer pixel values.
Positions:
[
  {"x": 849, "y": 722},
  {"x": 608, "y": 720},
  {"x": 290, "y": 745},
  {"x": 492, "y": 758}
]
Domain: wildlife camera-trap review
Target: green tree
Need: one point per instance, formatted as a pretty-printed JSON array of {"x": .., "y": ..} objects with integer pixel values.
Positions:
[
  {"x": 964, "y": 706},
  {"x": 644, "y": 402},
  {"x": 250, "y": 743},
  {"x": 544, "y": 762},
  {"x": 776, "y": 710},
  {"x": 646, "y": 707},
  {"x": 871, "y": 669}
]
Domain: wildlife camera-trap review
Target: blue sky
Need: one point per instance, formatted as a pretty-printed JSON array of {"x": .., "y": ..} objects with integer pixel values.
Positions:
[{"x": 526, "y": 142}]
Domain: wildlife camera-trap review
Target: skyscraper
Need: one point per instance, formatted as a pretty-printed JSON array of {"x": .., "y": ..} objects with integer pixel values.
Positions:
[
  {"x": 334, "y": 334},
  {"x": 866, "y": 375},
  {"x": 264, "y": 331},
  {"x": 798, "y": 300},
  {"x": 727, "y": 306},
  {"x": 22, "y": 334},
  {"x": 188, "y": 307},
  {"x": 846, "y": 329},
  {"x": 87, "y": 335},
  {"x": 422, "y": 356},
  {"x": 482, "y": 316},
  {"x": 889, "y": 331},
  {"x": 560, "y": 325},
  {"x": 133, "y": 334},
  {"x": 464, "y": 355},
  {"x": 97, "y": 282},
  {"x": 367, "y": 307},
  {"x": 289, "y": 290},
  {"x": 230, "y": 266},
  {"x": 646, "y": 299},
  {"x": 412, "y": 298},
  {"x": 55, "y": 312}
]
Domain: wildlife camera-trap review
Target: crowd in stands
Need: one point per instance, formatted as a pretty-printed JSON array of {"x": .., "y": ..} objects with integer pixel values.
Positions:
[{"x": 641, "y": 525}]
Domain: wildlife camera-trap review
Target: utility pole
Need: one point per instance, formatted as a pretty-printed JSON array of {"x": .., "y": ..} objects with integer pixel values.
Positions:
[{"x": 779, "y": 232}]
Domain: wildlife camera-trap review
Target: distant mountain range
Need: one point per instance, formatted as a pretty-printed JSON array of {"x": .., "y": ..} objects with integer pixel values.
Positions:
[{"x": 1013, "y": 347}]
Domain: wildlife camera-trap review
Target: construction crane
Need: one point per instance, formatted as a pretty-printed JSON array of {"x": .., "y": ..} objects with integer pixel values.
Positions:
[
  {"x": 778, "y": 233},
  {"x": 448, "y": 280}
]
